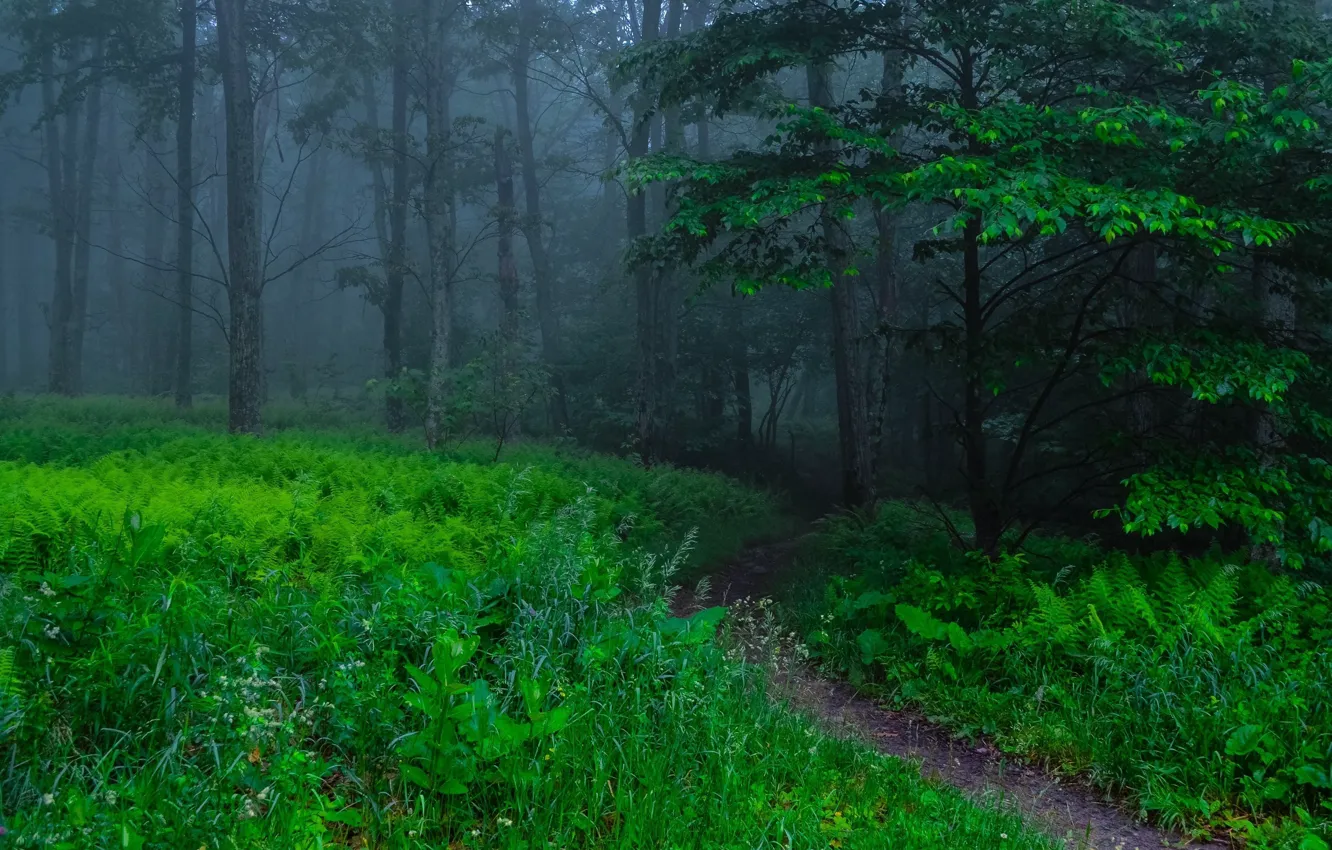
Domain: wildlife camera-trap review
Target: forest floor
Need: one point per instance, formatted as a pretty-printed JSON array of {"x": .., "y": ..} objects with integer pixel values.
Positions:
[{"x": 1064, "y": 807}]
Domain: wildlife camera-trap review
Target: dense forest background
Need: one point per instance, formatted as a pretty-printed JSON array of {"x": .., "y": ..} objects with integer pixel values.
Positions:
[{"x": 1033, "y": 259}]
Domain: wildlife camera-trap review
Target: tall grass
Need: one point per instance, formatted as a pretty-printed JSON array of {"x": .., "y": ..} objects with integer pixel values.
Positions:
[{"x": 319, "y": 641}]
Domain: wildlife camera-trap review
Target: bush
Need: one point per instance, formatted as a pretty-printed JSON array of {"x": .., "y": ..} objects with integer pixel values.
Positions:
[{"x": 1203, "y": 687}]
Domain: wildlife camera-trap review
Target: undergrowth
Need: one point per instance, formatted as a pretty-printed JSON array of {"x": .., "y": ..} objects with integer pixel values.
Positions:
[
  {"x": 1202, "y": 688},
  {"x": 322, "y": 641}
]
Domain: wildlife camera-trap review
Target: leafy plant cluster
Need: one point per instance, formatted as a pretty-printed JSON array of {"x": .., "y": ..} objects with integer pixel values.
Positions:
[
  {"x": 316, "y": 642},
  {"x": 334, "y": 497},
  {"x": 1198, "y": 686}
]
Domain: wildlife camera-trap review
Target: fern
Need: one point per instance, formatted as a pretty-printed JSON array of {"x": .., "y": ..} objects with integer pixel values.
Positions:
[{"x": 9, "y": 681}]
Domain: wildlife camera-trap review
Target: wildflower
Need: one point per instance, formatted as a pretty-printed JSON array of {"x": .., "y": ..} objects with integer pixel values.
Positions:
[
  {"x": 46, "y": 590},
  {"x": 505, "y": 822},
  {"x": 48, "y": 799},
  {"x": 475, "y": 833},
  {"x": 51, "y": 632},
  {"x": 1003, "y": 835}
]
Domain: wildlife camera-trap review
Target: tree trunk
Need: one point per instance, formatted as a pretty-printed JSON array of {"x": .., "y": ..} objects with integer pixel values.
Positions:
[
  {"x": 438, "y": 220},
  {"x": 666, "y": 286},
  {"x": 115, "y": 269},
  {"x": 1273, "y": 285},
  {"x": 370, "y": 103},
  {"x": 244, "y": 285},
  {"x": 984, "y": 510},
  {"x": 83, "y": 216},
  {"x": 150, "y": 317},
  {"x": 28, "y": 353},
  {"x": 649, "y": 437},
  {"x": 396, "y": 269},
  {"x": 884, "y": 350},
  {"x": 60, "y": 182},
  {"x": 4, "y": 298},
  {"x": 542, "y": 278},
  {"x": 739, "y": 356},
  {"x": 853, "y": 423},
  {"x": 185, "y": 208},
  {"x": 505, "y": 212},
  {"x": 1140, "y": 270}
]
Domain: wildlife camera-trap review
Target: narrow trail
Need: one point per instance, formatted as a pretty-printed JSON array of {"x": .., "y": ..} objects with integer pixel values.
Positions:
[{"x": 1064, "y": 808}]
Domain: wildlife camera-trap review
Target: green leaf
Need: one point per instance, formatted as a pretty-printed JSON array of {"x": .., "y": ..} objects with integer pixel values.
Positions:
[
  {"x": 416, "y": 776},
  {"x": 1244, "y": 740},
  {"x": 872, "y": 645}
]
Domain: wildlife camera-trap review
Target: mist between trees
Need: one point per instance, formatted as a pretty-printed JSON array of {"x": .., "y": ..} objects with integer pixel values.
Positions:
[{"x": 1042, "y": 260}]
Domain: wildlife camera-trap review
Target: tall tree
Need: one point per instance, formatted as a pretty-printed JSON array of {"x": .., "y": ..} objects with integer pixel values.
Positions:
[
  {"x": 5, "y": 296},
  {"x": 85, "y": 184},
  {"x": 505, "y": 214},
  {"x": 60, "y": 183},
  {"x": 185, "y": 205},
  {"x": 646, "y": 294},
  {"x": 438, "y": 203},
  {"x": 533, "y": 226},
  {"x": 244, "y": 281},
  {"x": 396, "y": 269},
  {"x": 853, "y": 426},
  {"x": 1118, "y": 153}
]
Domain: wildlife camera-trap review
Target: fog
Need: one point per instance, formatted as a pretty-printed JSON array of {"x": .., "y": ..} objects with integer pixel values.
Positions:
[{"x": 423, "y": 215}]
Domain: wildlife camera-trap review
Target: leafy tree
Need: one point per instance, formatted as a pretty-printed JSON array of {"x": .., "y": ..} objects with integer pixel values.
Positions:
[{"x": 1050, "y": 143}]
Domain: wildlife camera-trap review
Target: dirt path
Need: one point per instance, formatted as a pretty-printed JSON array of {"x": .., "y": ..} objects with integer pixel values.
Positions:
[{"x": 1067, "y": 809}]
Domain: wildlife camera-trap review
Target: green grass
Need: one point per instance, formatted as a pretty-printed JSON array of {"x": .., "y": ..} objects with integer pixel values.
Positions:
[
  {"x": 333, "y": 640},
  {"x": 1201, "y": 688}
]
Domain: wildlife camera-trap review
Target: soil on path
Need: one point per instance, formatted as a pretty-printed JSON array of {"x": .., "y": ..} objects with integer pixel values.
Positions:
[{"x": 1065, "y": 808}]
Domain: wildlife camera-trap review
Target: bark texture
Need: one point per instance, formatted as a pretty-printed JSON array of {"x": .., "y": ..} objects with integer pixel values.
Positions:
[{"x": 244, "y": 282}]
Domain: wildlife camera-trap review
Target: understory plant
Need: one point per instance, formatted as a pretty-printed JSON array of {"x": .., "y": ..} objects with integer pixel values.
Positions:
[
  {"x": 200, "y": 646},
  {"x": 1200, "y": 686}
]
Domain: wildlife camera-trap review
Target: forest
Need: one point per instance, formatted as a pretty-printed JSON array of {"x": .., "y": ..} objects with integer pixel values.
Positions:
[{"x": 737, "y": 424}]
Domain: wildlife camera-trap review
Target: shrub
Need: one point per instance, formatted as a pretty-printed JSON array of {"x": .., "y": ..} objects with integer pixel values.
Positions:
[{"x": 1201, "y": 686}]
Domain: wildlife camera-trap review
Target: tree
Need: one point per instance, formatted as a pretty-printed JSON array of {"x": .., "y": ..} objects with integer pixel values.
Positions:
[
  {"x": 60, "y": 182},
  {"x": 647, "y": 295},
  {"x": 185, "y": 206},
  {"x": 437, "y": 205},
  {"x": 532, "y": 224},
  {"x": 507, "y": 271},
  {"x": 244, "y": 282},
  {"x": 1049, "y": 143},
  {"x": 87, "y": 165}
]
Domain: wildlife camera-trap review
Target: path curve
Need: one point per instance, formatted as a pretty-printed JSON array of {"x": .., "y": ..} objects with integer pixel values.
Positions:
[{"x": 1065, "y": 808}]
